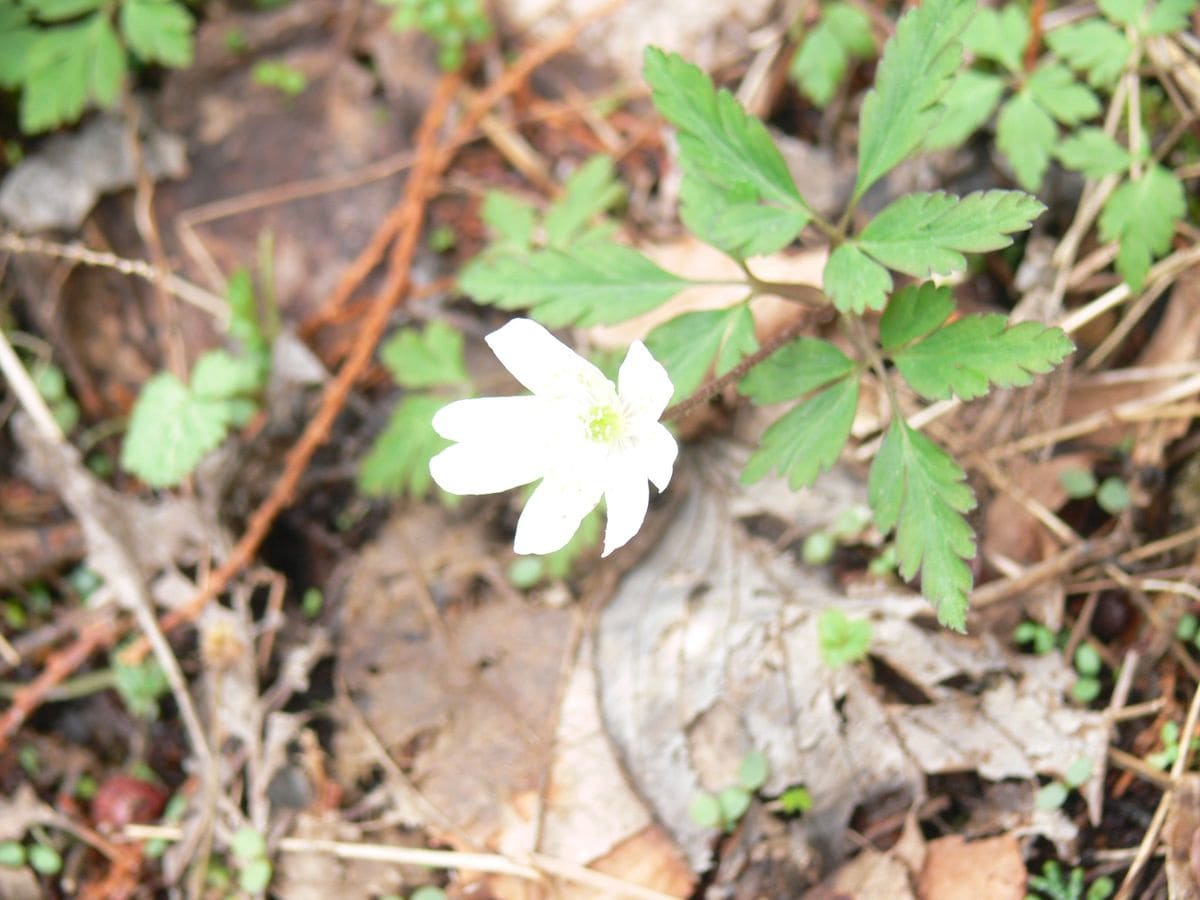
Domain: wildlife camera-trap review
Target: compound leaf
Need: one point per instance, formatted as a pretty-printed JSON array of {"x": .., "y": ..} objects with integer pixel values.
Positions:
[
  {"x": 1093, "y": 46},
  {"x": 591, "y": 190},
  {"x": 1093, "y": 153},
  {"x": 965, "y": 107},
  {"x": 793, "y": 370},
  {"x": 603, "y": 284},
  {"x": 419, "y": 359},
  {"x": 398, "y": 461},
  {"x": 1025, "y": 134},
  {"x": 510, "y": 219},
  {"x": 917, "y": 68},
  {"x": 1124, "y": 12},
  {"x": 820, "y": 64},
  {"x": 734, "y": 221},
  {"x": 686, "y": 344},
  {"x": 1142, "y": 215},
  {"x": 916, "y": 487},
  {"x": 965, "y": 356},
  {"x": 66, "y": 67},
  {"x": 921, "y": 234},
  {"x": 913, "y": 312},
  {"x": 1169, "y": 16},
  {"x": 854, "y": 281},
  {"x": 807, "y": 440},
  {"x": 719, "y": 142},
  {"x": 60, "y": 10},
  {"x": 158, "y": 31},
  {"x": 1056, "y": 91},
  {"x": 999, "y": 35}
]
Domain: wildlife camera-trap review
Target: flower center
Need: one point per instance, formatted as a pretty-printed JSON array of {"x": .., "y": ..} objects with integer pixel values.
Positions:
[{"x": 604, "y": 424}]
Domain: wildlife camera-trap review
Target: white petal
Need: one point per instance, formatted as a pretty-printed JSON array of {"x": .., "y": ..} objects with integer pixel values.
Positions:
[
  {"x": 489, "y": 418},
  {"x": 643, "y": 383},
  {"x": 656, "y": 451},
  {"x": 541, "y": 362},
  {"x": 479, "y": 467},
  {"x": 553, "y": 513},
  {"x": 627, "y": 496}
]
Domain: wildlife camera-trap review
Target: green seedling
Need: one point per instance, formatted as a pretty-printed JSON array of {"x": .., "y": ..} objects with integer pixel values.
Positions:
[
  {"x": 1052, "y": 884},
  {"x": 725, "y": 809},
  {"x": 842, "y": 640}
]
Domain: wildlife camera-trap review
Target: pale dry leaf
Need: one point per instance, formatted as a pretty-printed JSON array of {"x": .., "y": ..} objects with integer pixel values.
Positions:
[
  {"x": 1182, "y": 835},
  {"x": 957, "y": 869}
]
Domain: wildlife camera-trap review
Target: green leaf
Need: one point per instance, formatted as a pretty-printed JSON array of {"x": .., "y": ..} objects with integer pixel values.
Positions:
[
  {"x": 917, "y": 67},
  {"x": 1169, "y": 16},
  {"x": 1094, "y": 47},
  {"x": 686, "y": 345},
  {"x": 16, "y": 40},
  {"x": 793, "y": 370},
  {"x": 965, "y": 108},
  {"x": 1078, "y": 772},
  {"x": 705, "y": 810},
  {"x": 1113, "y": 496},
  {"x": 820, "y": 64},
  {"x": 1092, "y": 152},
  {"x": 1087, "y": 660},
  {"x": 963, "y": 357},
  {"x": 914, "y": 312},
  {"x": 842, "y": 640},
  {"x": 734, "y": 802},
  {"x": 1056, "y": 91},
  {"x": 170, "y": 431},
  {"x": 921, "y": 234},
  {"x": 1025, "y": 134},
  {"x": 219, "y": 375},
  {"x": 69, "y": 66},
  {"x": 248, "y": 843},
  {"x": 1051, "y": 796},
  {"x": 1078, "y": 483},
  {"x": 795, "y": 800},
  {"x": 808, "y": 439},
  {"x": 1124, "y": 12},
  {"x": 398, "y": 461},
  {"x": 12, "y": 854},
  {"x": 509, "y": 218},
  {"x": 140, "y": 686},
  {"x": 255, "y": 876},
  {"x": 60, "y": 10},
  {"x": 605, "y": 283},
  {"x": 1142, "y": 215},
  {"x": 999, "y": 35},
  {"x": 719, "y": 142},
  {"x": 591, "y": 190},
  {"x": 854, "y": 281},
  {"x": 158, "y": 31},
  {"x": 734, "y": 221},
  {"x": 45, "y": 860},
  {"x": 740, "y": 340},
  {"x": 419, "y": 359},
  {"x": 917, "y": 488},
  {"x": 753, "y": 772}
]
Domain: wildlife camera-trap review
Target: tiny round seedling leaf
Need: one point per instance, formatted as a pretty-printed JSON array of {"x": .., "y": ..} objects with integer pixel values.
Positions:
[
  {"x": 818, "y": 548},
  {"x": 705, "y": 810},
  {"x": 1087, "y": 660},
  {"x": 526, "y": 571},
  {"x": 1113, "y": 496},
  {"x": 248, "y": 844},
  {"x": 255, "y": 877},
  {"x": 734, "y": 802},
  {"x": 754, "y": 770},
  {"x": 1078, "y": 483},
  {"x": 1187, "y": 627},
  {"x": 428, "y": 892},
  {"x": 1086, "y": 689},
  {"x": 12, "y": 854},
  {"x": 45, "y": 860},
  {"x": 1051, "y": 796},
  {"x": 795, "y": 800},
  {"x": 1079, "y": 772}
]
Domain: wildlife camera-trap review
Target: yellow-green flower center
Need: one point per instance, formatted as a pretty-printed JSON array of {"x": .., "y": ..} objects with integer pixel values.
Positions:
[{"x": 604, "y": 423}]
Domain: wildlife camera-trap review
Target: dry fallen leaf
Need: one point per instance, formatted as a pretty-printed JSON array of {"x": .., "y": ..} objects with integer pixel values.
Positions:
[{"x": 957, "y": 869}]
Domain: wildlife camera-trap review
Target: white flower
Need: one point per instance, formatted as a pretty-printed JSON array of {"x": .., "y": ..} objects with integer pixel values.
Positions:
[{"x": 582, "y": 436}]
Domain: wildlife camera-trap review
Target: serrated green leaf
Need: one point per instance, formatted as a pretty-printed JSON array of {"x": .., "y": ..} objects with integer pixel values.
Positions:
[
  {"x": 219, "y": 375},
  {"x": 398, "y": 461},
  {"x": 170, "y": 431},
  {"x": 1025, "y": 134},
  {"x": 61, "y": 10},
  {"x": 807, "y": 440},
  {"x": 1092, "y": 152},
  {"x": 1056, "y": 91},
  {"x": 917, "y": 68},
  {"x": 510, "y": 219},
  {"x": 68, "y": 66},
  {"x": 158, "y": 31},
  {"x": 854, "y": 281},
  {"x": 913, "y": 312},
  {"x": 419, "y": 359},
  {"x": 1125, "y": 12},
  {"x": 605, "y": 283},
  {"x": 1093, "y": 46},
  {"x": 963, "y": 357},
  {"x": 793, "y": 370},
  {"x": 1142, "y": 215},
  {"x": 820, "y": 64},
  {"x": 1169, "y": 16},
  {"x": 591, "y": 190},
  {"x": 686, "y": 345},
  {"x": 740, "y": 340},
  {"x": 734, "y": 221},
  {"x": 999, "y": 35},
  {"x": 16, "y": 41},
  {"x": 965, "y": 107},
  {"x": 719, "y": 142},
  {"x": 921, "y": 234},
  {"x": 917, "y": 488},
  {"x": 842, "y": 640}
]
